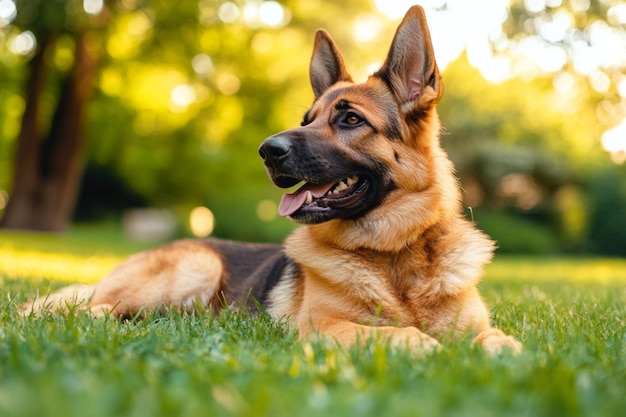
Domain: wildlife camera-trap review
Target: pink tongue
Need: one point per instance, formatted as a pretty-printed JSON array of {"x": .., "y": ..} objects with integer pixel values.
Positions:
[{"x": 290, "y": 203}]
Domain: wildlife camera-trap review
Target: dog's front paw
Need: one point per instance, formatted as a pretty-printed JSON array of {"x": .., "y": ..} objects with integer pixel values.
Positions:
[
  {"x": 415, "y": 340},
  {"x": 495, "y": 341}
]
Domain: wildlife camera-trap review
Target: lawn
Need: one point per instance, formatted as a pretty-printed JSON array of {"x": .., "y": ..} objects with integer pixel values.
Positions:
[{"x": 569, "y": 313}]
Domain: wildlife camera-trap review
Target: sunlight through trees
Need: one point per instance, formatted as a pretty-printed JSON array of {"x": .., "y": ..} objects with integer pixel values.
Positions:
[{"x": 176, "y": 97}]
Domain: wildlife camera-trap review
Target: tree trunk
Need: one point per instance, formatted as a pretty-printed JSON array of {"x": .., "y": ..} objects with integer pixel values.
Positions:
[
  {"x": 47, "y": 171},
  {"x": 25, "y": 174}
]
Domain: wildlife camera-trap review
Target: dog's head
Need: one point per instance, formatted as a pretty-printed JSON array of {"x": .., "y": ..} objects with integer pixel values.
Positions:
[{"x": 361, "y": 144}]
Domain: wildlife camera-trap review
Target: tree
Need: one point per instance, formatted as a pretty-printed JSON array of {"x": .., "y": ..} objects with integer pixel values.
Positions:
[{"x": 49, "y": 163}]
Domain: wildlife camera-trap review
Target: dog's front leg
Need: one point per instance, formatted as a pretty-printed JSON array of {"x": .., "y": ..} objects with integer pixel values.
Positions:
[{"x": 347, "y": 333}]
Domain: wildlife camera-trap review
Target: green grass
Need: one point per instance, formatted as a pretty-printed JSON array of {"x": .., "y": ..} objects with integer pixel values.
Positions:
[{"x": 570, "y": 314}]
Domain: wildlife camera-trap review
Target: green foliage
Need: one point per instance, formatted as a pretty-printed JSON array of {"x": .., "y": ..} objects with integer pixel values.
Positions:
[
  {"x": 527, "y": 113},
  {"x": 568, "y": 313},
  {"x": 238, "y": 83},
  {"x": 515, "y": 234},
  {"x": 607, "y": 228},
  {"x": 494, "y": 137}
]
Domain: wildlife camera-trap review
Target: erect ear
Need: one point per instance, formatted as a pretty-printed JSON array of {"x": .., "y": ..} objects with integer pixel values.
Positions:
[
  {"x": 410, "y": 69},
  {"x": 327, "y": 65}
]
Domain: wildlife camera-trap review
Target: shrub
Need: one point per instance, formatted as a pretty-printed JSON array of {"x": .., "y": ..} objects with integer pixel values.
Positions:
[
  {"x": 607, "y": 224},
  {"x": 515, "y": 234}
]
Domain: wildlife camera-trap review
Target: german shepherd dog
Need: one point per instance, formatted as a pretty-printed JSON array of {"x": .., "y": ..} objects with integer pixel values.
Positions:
[{"x": 383, "y": 249}]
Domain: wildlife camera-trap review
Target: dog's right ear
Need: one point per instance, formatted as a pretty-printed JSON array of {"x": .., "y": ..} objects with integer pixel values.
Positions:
[{"x": 327, "y": 66}]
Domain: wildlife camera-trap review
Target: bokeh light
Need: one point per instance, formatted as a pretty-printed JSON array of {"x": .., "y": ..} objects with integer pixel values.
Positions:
[
  {"x": 4, "y": 199},
  {"x": 181, "y": 97},
  {"x": 227, "y": 83},
  {"x": 201, "y": 221},
  {"x": 271, "y": 13},
  {"x": 228, "y": 12},
  {"x": 24, "y": 43},
  {"x": 8, "y": 12},
  {"x": 266, "y": 210},
  {"x": 614, "y": 142},
  {"x": 93, "y": 7},
  {"x": 203, "y": 65}
]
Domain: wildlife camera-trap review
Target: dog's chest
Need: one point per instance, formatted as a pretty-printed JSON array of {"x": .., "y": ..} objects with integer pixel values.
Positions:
[{"x": 397, "y": 289}]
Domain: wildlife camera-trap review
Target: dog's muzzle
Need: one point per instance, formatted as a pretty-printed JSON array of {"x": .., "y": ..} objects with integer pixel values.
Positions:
[{"x": 332, "y": 185}]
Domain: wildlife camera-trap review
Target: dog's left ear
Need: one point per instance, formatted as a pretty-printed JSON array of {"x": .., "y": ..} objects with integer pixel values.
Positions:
[
  {"x": 327, "y": 66},
  {"x": 410, "y": 69}
]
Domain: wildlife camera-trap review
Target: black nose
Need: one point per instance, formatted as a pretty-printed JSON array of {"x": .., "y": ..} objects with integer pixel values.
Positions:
[{"x": 275, "y": 147}]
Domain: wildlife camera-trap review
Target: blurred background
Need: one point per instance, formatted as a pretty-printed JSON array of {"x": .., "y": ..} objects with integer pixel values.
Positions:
[{"x": 146, "y": 115}]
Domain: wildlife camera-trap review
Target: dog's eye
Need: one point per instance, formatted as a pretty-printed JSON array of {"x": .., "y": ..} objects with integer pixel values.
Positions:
[{"x": 352, "y": 119}]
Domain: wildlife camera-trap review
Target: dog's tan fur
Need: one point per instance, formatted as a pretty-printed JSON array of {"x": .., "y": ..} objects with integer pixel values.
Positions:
[{"x": 405, "y": 270}]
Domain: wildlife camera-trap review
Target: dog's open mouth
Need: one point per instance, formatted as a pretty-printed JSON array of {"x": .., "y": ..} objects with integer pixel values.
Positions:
[{"x": 313, "y": 197}]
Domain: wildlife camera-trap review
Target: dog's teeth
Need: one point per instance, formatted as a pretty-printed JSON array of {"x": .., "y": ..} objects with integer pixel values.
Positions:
[
  {"x": 352, "y": 180},
  {"x": 341, "y": 186},
  {"x": 309, "y": 197}
]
